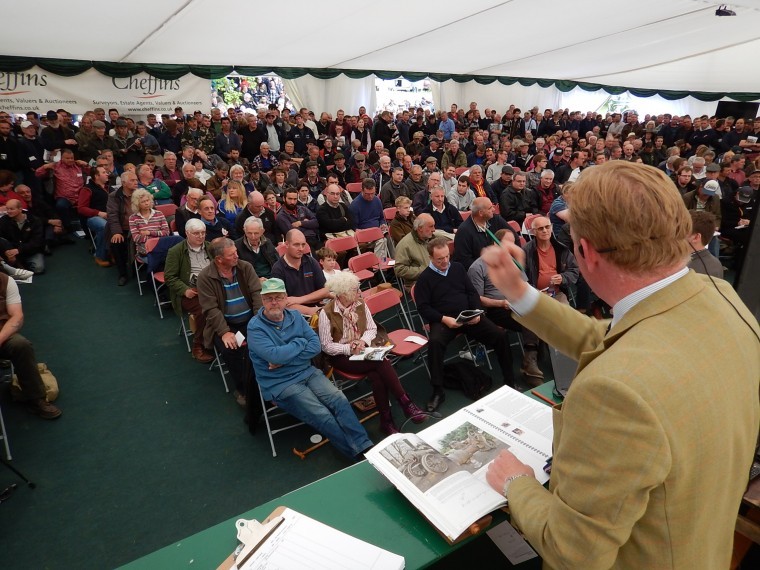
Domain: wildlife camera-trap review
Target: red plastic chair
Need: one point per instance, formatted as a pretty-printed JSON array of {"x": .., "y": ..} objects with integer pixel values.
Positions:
[
  {"x": 460, "y": 170},
  {"x": 388, "y": 299},
  {"x": 529, "y": 222},
  {"x": 390, "y": 213},
  {"x": 364, "y": 265},
  {"x": 342, "y": 244},
  {"x": 166, "y": 209},
  {"x": 466, "y": 214},
  {"x": 354, "y": 187},
  {"x": 514, "y": 225}
]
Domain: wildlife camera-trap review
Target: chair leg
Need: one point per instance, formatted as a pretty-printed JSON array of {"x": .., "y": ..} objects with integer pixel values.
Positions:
[
  {"x": 5, "y": 437},
  {"x": 218, "y": 363},
  {"x": 155, "y": 291},
  {"x": 137, "y": 276},
  {"x": 183, "y": 331},
  {"x": 266, "y": 421}
]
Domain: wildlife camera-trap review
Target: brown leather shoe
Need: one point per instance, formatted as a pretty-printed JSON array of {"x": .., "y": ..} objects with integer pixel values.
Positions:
[
  {"x": 201, "y": 355},
  {"x": 102, "y": 262},
  {"x": 44, "y": 409}
]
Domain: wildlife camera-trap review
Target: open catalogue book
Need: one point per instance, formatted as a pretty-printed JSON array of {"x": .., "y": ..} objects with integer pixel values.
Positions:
[{"x": 442, "y": 470}]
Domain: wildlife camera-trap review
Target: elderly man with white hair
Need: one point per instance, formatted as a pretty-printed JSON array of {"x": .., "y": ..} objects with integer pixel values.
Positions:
[
  {"x": 256, "y": 209},
  {"x": 256, "y": 249},
  {"x": 184, "y": 262}
]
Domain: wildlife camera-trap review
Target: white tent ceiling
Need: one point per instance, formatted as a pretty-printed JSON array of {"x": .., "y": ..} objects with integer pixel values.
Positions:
[{"x": 655, "y": 44}]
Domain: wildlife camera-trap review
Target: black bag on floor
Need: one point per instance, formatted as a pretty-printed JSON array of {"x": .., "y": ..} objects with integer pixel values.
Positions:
[{"x": 468, "y": 378}]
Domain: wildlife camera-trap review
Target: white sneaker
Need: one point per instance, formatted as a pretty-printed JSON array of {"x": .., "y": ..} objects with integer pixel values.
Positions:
[{"x": 18, "y": 273}]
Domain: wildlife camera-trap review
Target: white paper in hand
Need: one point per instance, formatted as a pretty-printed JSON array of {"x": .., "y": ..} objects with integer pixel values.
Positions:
[{"x": 240, "y": 338}]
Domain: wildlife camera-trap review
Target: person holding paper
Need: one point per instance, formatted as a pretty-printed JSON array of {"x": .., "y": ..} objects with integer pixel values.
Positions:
[
  {"x": 229, "y": 294},
  {"x": 442, "y": 292},
  {"x": 653, "y": 446},
  {"x": 281, "y": 345},
  {"x": 346, "y": 328}
]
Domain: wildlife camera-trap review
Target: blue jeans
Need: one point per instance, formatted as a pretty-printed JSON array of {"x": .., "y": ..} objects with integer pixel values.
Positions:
[
  {"x": 97, "y": 226},
  {"x": 64, "y": 210},
  {"x": 317, "y": 402},
  {"x": 34, "y": 263}
]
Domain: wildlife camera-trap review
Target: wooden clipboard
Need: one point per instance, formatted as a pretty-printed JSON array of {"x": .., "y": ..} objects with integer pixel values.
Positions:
[{"x": 230, "y": 561}]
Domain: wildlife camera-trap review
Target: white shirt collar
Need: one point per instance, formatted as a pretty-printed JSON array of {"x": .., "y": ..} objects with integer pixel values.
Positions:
[{"x": 629, "y": 301}]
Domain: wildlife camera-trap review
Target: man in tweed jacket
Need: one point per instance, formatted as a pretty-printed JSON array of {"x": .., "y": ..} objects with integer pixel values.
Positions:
[{"x": 653, "y": 444}]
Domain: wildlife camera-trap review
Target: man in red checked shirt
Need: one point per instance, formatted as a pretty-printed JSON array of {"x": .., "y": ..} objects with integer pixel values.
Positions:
[{"x": 68, "y": 179}]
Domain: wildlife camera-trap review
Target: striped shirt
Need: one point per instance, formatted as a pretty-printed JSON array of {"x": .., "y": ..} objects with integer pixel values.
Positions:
[{"x": 236, "y": 307}]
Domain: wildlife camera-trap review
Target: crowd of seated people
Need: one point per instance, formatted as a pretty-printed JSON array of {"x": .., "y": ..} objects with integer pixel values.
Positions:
[{"x": 248, "y": 182}]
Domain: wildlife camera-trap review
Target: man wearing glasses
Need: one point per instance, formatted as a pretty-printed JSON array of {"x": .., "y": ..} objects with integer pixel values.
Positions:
[
  {"x": 549, "y": 265},
  {"x": 184, "y": 262}
]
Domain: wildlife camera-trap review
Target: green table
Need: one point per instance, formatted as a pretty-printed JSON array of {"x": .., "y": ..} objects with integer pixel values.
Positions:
[{"x": 356, "y": 500}]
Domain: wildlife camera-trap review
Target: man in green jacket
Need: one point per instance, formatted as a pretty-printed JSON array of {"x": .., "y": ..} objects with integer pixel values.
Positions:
[
  {"x": 184, "y": 262},
  {"x": 411, "y": 252}
]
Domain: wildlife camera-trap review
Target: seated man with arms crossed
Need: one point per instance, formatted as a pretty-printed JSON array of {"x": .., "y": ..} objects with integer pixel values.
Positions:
[
  {"x": 184, "y": 262},
  {"x": 443, "y": 291},
  {"x": 302, "y": 275},
  {"x": 228, "y": 291},
  {"x": 281, "y": 345}
]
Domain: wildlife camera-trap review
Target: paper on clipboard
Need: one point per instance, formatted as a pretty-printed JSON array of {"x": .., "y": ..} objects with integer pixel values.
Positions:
[{"x": 302, "y": 542}]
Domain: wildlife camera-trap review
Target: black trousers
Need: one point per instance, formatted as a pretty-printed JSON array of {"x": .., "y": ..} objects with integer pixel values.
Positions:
[
  {"x": 241, "y": 369},
  {"x": 485, "y": 331}
]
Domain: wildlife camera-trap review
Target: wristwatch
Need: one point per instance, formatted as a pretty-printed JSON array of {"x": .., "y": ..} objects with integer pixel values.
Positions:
[{"x": 508, "y": 482}]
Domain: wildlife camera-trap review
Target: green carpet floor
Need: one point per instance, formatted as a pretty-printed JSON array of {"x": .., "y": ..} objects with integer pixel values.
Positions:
[{"x": 150, "y": 448}]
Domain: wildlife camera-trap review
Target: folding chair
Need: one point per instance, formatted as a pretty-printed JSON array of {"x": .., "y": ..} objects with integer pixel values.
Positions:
[
  {"x": 461, "y": 170},
  {"x": 157, "y": 278},
  {"x": 389, "y": 299},
  {"x": 365, "y": 265},
  {"x": 515, "y": 226},
  {"x": 466, "y": 214},
  {"x": 390, "y": 213},
  {"x": 368, "y": 236},
  {"x": 354, "y": 187},
  {"x": 166, "y": 209},
  {"x": 272, "y": 412},
  {"x": 342, "y": 244}
]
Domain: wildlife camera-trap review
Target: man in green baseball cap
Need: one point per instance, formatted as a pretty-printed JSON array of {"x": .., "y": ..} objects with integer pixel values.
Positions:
[{"x": 281, "y": 345}]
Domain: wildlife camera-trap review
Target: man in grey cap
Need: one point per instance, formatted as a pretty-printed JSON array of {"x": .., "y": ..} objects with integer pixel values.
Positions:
[
  {"x": 706, "y": 198},
  {"x": 99, "y": 142},
  {"x": 129, "y": 147},
  {"x": 281, "y": 345}
]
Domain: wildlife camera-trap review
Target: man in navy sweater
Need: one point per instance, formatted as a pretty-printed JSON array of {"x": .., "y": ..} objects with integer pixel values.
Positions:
[{"x": 442, "y": 291}]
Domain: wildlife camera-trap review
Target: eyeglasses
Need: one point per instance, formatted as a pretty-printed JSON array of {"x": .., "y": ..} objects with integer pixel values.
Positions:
[{"x": 542, "y": 228}]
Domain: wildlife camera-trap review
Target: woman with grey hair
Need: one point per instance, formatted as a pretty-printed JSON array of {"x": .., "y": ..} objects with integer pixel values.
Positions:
[
  {"x": 346, "y": 328},
  {"x": 237, "y": 173},
  {"x": 145, "y": 222}
]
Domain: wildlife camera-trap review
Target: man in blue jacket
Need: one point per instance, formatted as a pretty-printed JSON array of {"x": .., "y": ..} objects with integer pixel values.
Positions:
[{"x": 281, "y": 346}]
